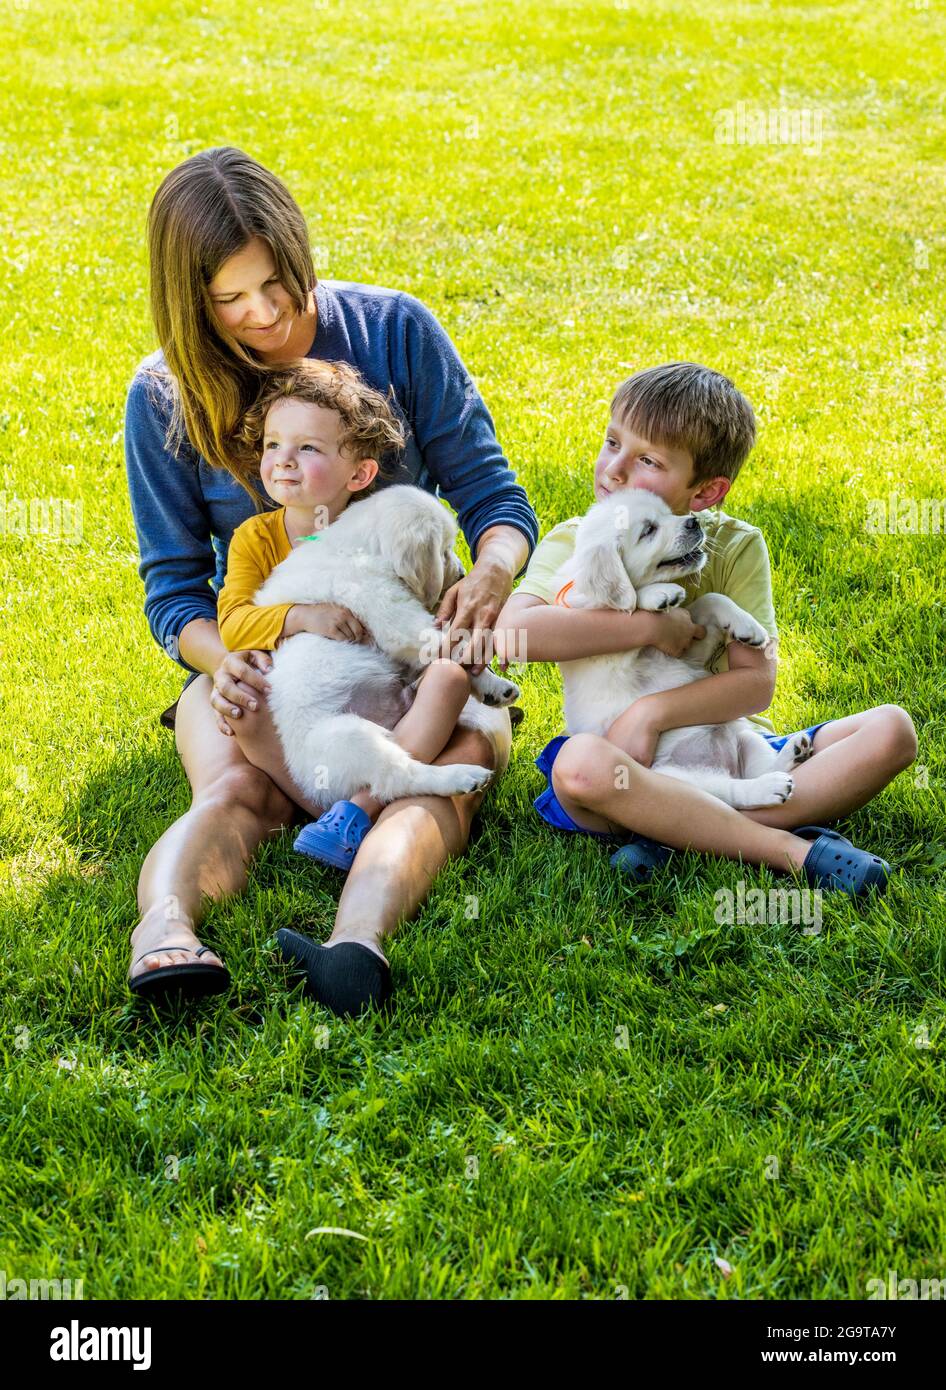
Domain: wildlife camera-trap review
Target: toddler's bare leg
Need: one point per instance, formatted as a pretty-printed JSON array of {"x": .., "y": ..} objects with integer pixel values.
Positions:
[{"x": 427, "y": 727}]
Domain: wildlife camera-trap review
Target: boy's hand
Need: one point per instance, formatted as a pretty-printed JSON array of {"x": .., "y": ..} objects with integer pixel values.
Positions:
[
  {"x": 676, "y": 631},
  {"x": 638, "y": 729},
  {"x": 326, "y": 620}
]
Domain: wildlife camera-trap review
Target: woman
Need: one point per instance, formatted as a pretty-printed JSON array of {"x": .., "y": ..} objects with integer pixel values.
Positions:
[{"x": 234, "y": 295}]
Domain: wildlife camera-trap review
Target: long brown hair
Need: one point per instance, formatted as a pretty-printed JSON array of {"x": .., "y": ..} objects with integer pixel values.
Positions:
[{"x": 206, "y": 210}]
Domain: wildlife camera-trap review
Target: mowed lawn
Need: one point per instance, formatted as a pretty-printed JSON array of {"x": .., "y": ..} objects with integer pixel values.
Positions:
[{"x": 587, "y": 1090}]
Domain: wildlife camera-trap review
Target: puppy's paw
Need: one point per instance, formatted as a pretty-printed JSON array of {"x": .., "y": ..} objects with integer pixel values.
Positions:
[
  {"x": 743, "y": 628},
  {"x": 494, "y": 690},
  {"x": 508, "y": 695},
  {"x": 458, "y": 778},
  {"x": 657, "y": 598},
  {"x": 771, "y": 789},
  {"x": 468, "y": 777},
  {"x": 797, "y": 750}
]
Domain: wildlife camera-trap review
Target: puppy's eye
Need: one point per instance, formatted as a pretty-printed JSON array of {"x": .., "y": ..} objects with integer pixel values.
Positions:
[{"x": 647, "y": 529}]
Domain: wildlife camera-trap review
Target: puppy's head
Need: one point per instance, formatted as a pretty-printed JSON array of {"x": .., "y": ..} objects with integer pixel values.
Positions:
[
  {"x": 629, "y": 540},
  {"x": 415, "y": 534}
]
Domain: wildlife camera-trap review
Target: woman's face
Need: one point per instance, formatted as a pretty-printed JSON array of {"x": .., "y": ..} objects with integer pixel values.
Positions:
[{"x": 250, "y": 302}]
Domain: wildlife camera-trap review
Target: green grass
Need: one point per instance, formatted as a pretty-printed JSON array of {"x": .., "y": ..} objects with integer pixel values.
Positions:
[{"x": 545, "y": 177}]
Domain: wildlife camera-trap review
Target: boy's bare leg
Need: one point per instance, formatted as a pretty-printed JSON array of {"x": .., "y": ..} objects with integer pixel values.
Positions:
[
  {"x": 427, "y": 726},
  {"x": 854, "y": 759},
  {"x": 602, "y": 788}
]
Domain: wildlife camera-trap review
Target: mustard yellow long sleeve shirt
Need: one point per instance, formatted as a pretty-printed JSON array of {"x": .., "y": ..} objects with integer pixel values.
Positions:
[{"x": 256, "y": 548}]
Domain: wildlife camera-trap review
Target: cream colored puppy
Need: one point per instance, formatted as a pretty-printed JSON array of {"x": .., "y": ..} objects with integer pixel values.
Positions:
[
  {"x": 630, "y": 549},
  {"x": 389, "y": 559}
]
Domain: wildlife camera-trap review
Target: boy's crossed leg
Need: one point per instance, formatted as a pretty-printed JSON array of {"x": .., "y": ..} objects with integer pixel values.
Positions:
[
  {"x": 852, "y": 760},
  {"x": 602, "y": 788}
]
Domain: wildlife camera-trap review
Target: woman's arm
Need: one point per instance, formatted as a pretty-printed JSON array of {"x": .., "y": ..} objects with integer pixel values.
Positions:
[
  {"x": 177, "y": 560},
  {"x": 471, "y": 606},
  {"x": 455, "y": 435}
]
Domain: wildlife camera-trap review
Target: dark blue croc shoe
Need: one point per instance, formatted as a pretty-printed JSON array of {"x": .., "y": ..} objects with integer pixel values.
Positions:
[
  {"x": 336, "y": 836},
  {"x": 640, "y": 857},
  {"x": 833, "y": 863}
]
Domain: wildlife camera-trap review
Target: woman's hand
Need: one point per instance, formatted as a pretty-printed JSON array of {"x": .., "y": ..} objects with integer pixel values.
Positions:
[
  {"x": 470, "y": 609},
  {"x": 239, "y": 681},
  {"x": 325, "y": 620}
]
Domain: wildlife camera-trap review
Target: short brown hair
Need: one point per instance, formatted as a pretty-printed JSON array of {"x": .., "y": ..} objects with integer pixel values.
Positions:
[
  {"x": 687, "y": 406},
  {"x": 370, "y": 426}
]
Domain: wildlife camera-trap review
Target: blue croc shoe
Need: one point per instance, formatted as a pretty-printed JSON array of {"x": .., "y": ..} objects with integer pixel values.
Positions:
[
  {"x": 336, "y": 836},
  {"x": 640, "y": 857},
  {"x": 833, "y": 863}
]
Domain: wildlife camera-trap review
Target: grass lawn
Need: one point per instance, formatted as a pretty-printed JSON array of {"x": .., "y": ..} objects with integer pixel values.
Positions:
[{"x": 586, "y": 1090}]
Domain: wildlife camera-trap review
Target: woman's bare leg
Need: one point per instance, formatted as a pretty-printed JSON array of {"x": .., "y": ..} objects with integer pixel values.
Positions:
[
  {"x": 205, "y": 853},
  {"x": 404, "y": 851},
  {"x": 260, "y": 745}
]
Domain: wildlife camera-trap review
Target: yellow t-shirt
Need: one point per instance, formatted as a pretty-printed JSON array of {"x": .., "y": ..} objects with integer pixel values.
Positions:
[
  {"x": 738, "y": 566},
  {"x": 256, "y": 548}
]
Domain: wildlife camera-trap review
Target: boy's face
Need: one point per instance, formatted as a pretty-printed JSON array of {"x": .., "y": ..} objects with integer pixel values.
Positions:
[
  {"x": 627, "y": 459},
  {"x": 301, "y": 464}
]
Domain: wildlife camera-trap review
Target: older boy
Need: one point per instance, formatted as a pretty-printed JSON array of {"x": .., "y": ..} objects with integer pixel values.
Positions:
[{"x": 684, "y": 431}]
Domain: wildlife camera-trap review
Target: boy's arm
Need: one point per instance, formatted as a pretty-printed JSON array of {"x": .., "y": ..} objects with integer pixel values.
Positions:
[
  {"x": 746, "y": 688},
  {"x": 244, "y": 626},
  {"x": 529, "y": 629}
]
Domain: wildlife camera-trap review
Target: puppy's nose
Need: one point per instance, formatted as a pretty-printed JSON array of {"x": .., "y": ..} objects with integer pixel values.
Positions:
[{"x": 692, "y": 524}]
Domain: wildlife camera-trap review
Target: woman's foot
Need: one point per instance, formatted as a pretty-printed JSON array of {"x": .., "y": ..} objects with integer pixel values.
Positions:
[
  {"x": 160, "y": 941},
  {"x": 347, "y": 976}
]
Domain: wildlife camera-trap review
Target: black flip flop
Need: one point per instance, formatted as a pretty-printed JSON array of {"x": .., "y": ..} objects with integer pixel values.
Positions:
[{"x": 181, "y": 981}]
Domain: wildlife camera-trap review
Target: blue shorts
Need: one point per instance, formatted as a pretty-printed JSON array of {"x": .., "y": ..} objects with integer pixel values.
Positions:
[
  {"x": 778, "y": 741},
  {"x": 553, "y": 812}
]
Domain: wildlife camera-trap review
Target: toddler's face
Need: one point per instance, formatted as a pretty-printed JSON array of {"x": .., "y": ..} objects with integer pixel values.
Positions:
[
  {"x": 627, "y": 459},
  {"x": 301, "y": 465}
]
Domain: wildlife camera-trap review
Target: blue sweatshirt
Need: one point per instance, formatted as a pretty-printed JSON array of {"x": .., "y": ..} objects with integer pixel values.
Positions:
[{"x": 185, "y": 511}]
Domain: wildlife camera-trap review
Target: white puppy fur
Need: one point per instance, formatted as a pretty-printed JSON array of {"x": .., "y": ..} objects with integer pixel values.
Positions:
[
  {"x": 629, "y": 549},
  {"x": 389, "y": 559}
]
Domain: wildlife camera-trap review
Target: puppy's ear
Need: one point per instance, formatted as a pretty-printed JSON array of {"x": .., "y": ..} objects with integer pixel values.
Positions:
[
  {"x": 412, "y": 548},
  {"x": 434, "y": 579},
  {"x": 600, "y": 576},
  {"x": 409, "y": 553},
  {"x": 597, "y": 564}
]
